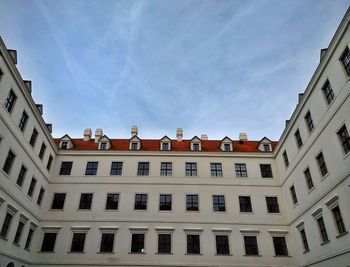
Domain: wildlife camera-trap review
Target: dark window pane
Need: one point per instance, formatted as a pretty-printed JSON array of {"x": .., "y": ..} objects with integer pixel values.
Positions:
[
  {"x": 164, "y": 243},
  {"x": 165, "y": 168},
  {"x": 32, "y": 187},
  {"x": 23, "y": 121},
  {"x": 328, "y": 92},
  {"x": 41, "y": 195},
  {"x": 18, "y": 232},
  {"x": 66, "y": 167},
  {"x": 49, "y": 162},
  {"x": 272, "y": 205},
  {"x": 192, "y": 203},
  {"x": 322, "y": 229},
  {"x": 112, "y": 201},
  {"x": 304, "y": 240},
  {"x": 21, "y": 176},
  {"x": 251, "y": 245},
  {"x": 266, "y": 171},
  {"x": 222, "y": 245},
  {"x": 241, "y": 170},
  {"x": 322, "y": 164},
  {"x": 298, "y": 139},
  {"x": 6, "y": 225},
  {"x": 219, "y": 203},
  {"x": 344, "y": 138},
  {"x": 42, "y": 151},
  {"x": 245, "y": 204},
  {"x": 309, "y": 122},
  {"x": 9, "y": 161},
  {"x": 10, "y": 101},
  {"x": 137, "y": 243},
  {"x": 143, "y": 169},
  {"x": 33, "y": 137},
  {"x": 285, "y": 159},
  {"x": 165, "y": 202},
  {"x": 91, "y": 168},
  {"x": 107, "y": 242},
  {"x": 140, "y": 202},
  {"x": 193, "y": 246},
  {"x": 280, "y": 245},
  {"x": 49, "y": 241},
  {"x": 308, "y": 179},
  {"x": 116, "y": 168},
  {"x": 339, "y": 220},
  {"x": 85, "y": 201},
  {"x": 216, "y": 169},
  {"x": 345, "y": 59},
  {"x": 294, "y": 195},
  {"x": 29, "y": 238},
  {"x": 78, "y": 242},
  {"x": 58, "y": 201},
  {"x": 191, "y": 169}
]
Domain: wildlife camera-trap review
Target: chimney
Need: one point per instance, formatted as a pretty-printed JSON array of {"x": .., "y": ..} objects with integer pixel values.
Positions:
[
  {"x": 87, "y": 134},
  {"x": 204, "y": 137},
  {"x": 243, "y": 137},
  {"x": 28, "y": 85},
  {"x": 49, "y": 126},
  {"x": 40, "y": 108},
  {"x": 134, "y": 131},
  {"x": 13, "y": 54},
  {"x": 98, "y": 134},
  {"x": 300, "y": 97},
  {"x": 322, "y": 53},
  {"x": 179, "y": 134}
]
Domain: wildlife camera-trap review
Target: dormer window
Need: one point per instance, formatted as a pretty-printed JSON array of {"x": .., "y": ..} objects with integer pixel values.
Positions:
[
  {"x": 103, "y": 146},
  {"x": 134, "y": 143},
  {"x": 195, "y": 147},
  {"x": 165, "y": 143},
  {"x": 66, "y": 143},
  {"x": 104, "y": 143},
  {"x": 165, "y": 146},
  {"x": 134, "y": 146},
  {"x": 227, "y": 147},
  {"x": 226, "y": 144},
  {"x": 196, "y": 144},
  {"x": 265, "y": 145}
]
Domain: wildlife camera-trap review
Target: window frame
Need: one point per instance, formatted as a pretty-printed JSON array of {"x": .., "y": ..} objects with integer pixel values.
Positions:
[
  {"x": 266, "y": 173},
  {"x": 309, "y": 122},
  {"x": 91, "y": 170},
  {"x": 192, "y": 209},
  {"x": 164, "y": 168},
  {"x": 250, "y": 206},
  {"x": 163, "y": 207},
  {"x": 143, "y": 168},
  {"x": 241, "y": 170},
  {"x": 87, "y": 203},
  {"x": 145, "y": 205},
  {"x": 191, "y": 169},
  {"x": 10, "y": 101},
  {"x": 327, "y": 92},
  {"x": 106, "y": 205},
  {"x": 118, "y": 170},
  {"x": 322, "y": 165},
  {"x": 216, "y": 169},
  {"x": 219, "y": 205},
  {"x": 53, "y": 200},
  {"x": 344, "y": 143},
  {"x": 269, "y": 210}
]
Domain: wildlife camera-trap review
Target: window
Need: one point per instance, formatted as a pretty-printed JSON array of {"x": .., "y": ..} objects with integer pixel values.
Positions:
[
  {"x": 219, "y": 203},
  {"x": 191, "y": 169},
  {"x": 241, "y": 170},
  {"x": 298, "y": 138},
  {"x": 49, "y": 241},
  {"x": 272, "y": 205},
  {"x": 112, "y": 201},
  {"x": 78, "y": 242},
  {"x": 134, "y": 146},
  {"x": 10, "y": 101},
  {"x": 58, "y": 201},
  {"x": 165, "y": 146},
  {"x": 244, "y": 204},
  {"x": 85, "y": 201},
  {"x": 107, "y": 242},
  {"x": 41, "y": 195},
  {"x": 339, "y": 220},
  {"x": 49, "y": 162},
  {"x": 18, "y": 232},
  {"x": 279, "y": 242},
  {"x": 91, "y": 168},
  {"x": 140, "y": 202},
  {"x": 165, "y": 168},
  {"x": 6, "y": 225},
  {"x": 344, "y": 138},
  {"x": 266, "y": 171},
  {"x": 143, "y": 169},
  {"x": 227, "y": 147},
  {"x": 222, "y": 245},
  {"x": 216, "y": 169},
  {"x": 165, "y": 202},
  {"x": 322, "y": 229},
  {"x": 29, "y": 238},
  {"x": 285, "y": 159},
  {"x": 345, "y": 59},
  {"x": 304, "y": 240},
  {"x": 32, "y": 187},
  {"x": 193, "y": 245},
  {"x": 328, "y": 92},
  {"x": 9, "y": 161},
  {"x": 266, "y": 147},
  {"x": 42, "y": 151},
  {"x": 251, "y": 245},
  {"x": 103, "y": 146},
  {"x": 21, "y": 175},
  {"x": 192, "y": 203},
  {"x": 137, "y": 243},
  {"x": 116, "y": 168},
  {"x": 1, "y": 74},
  {"x": 195, "y": 147},
  {"x": 64, "y": 145},
  {"x": 164, "y": 243},
  {"x": 66, "y": 167},
  {"x": 23, "y": 121},
  {"x": 322, "y": 164},
  {"x": 293, "y": 194},
  {"x": 33, "y": 137},
  {"x": 308, "y": 179},
  {"x": 309, "y": 122}
]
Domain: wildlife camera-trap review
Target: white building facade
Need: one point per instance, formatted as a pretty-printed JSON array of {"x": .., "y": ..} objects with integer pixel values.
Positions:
[{"x": 98, "y": 201}]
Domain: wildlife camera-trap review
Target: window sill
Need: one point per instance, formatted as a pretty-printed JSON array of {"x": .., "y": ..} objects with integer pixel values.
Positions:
[
  {"x": 46, "y": 252},
  {"x": 325, "y": 242},
  {"x": 16, "y": 244},
  {"x": 3, "y": 237},
  {"x": 111, "y": 210},
  {"x": 342, "y": 234},
  {"x": 19, "y": 187},
  {"x": 141, "y": 253},
  {"x": 55, "y": 209},
  {"x": 27, "y": 249},
  {"x": 306, "y": 251},
  {"x": 325, "y": 176},
  {"x": 164, "y": 253},
  {"x": 84, "y": 209},
  {"x": 296, "y": 204},
  {"x": 252, "y": 255},
  {"x": 6, "y": 174},
  {"x": 311, "y": 189},
  {"x": 282, "y": 256},
  {"x": 223, "y": 255},
  {"x": 194, "y": 254},
  {"x": 347, "y": 155},
  {"x": 102, "y": 252},
  {"x": 274, "y": 213},
  {"x": 76, "y": 252}
]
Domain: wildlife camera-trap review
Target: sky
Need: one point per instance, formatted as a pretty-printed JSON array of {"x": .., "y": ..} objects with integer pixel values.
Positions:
[{"x": 215, "y": 67}]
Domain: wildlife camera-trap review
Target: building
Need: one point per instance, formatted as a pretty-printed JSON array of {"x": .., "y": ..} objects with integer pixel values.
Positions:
[{"x": 98, "y": 201}]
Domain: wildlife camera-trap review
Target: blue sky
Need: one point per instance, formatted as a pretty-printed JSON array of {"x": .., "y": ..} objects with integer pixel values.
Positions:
[{"x": 211, "y": 67}]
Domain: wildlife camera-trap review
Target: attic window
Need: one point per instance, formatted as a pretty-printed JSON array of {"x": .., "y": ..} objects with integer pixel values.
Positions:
[
  {"x": 104, "y": 146},
  {"x": 134, "y": 146},
  {"x": 165, "y": 146},
  {"x": 195, "y": 147},
  {"x": 64, "y": 145},
  {"x": 266, "y": 147},
  {"x": 227, "y": 147}
]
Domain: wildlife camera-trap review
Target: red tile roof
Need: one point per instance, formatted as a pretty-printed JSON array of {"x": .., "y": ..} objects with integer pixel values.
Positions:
[{"x": 154, "y": 145}]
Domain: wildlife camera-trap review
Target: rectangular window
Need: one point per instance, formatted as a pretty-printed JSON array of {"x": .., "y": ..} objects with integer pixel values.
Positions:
[
  {"x": 103, "y": 146},
  {"x": 222, "y": 245},
  {"x": 143, "y": 169},
  {"x": 49, "y": 162},
  {"x": 137, "y": 243},
  {"x": 134, "y": 146},
  {"x": 309, "y": 122},
  {"x": 298, "y": 138},
  {"x": 21, "y": 176},
  {"x": 272, "y": 205},
  {"x": 191, "y": 169},
  {"x": 29, "y": 238},
  {"x": 195, "y": 147},
  {"x": 91, "y": 168},
  {"x": 344, "y": 138},
  {"x": 116, "y": 168},
  {"x": 41, "y": 195},
  {"x": 42, "y": 151},
  {"x": 266, "y": 170},
  {"x": 293, "y": 194},
  {"x": 304, "y": 240},
  {"x": 279, "y": 242},
  {"x": 193, "y": 244},
  {"x": 328, "y": 92},
  {"x": 10, "y": 101},
  {"x": 64, "y": 145},
  {"x": 308, "y": 179},
  {"x": 6, "y": 225},
  {"x": 1, "y": 74},
  {"x": 216, "y": 169},
  {"x": 32, "y": 187},
  {"x": 66, "y": 167},
  {"x": 23, "y": 121},
  {"x": 9, "y": 161},
  {"x": 345, "y": 59},
  {"x": 245, "y": 204},
  {"x": 112, "y": 201},
  {"x": 165, "y": 202},
  {"x": 140, "y": 202},
  {"x": 219, "y": 203},
  {"x": 241, "y": 170},
  {"x": 58, "y": 201},
  {"x": 285, "y": 159},
  {"x": 49, "y": 241},
  {"x": 107, "y": 242},
  {"x": 227, "y": 147},
  {"x": 322, "y": 164},
  {"x": 78, "y": 242},
  {"x": 165, "y": 168},
  {"x": 164, "y": 243},
  {"x": 85, "y": 201},
  {"x": 338, "y": 220},
  {"x": 322, "y": 228},
  {"x": 165, "y": 146},
  {"x": 251, "y": 245},
  {"x": 33, "y": 137},
  {"x": 192, "y": 203},
  {"x": 18, "y": 233},
  {"x": 266, "y": 147}
]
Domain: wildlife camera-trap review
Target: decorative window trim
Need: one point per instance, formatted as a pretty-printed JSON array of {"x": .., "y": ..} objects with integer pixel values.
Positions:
[
  {"x": 136, "y": 140},
  {"x": 317, "y": 213},
  {"x": 226, "y": 140},
  {"x": 196, "y": 140},
  {"x": 221, "y": 230},
  {"x": 278, "y": 232},
  {"x": 66, "y": 138},
  {"x": 165, "y": 140},
  {"x": 165, "y": 229},
  {"x": 104, "y": 140},
  {"x": 11, "y": 209}
]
